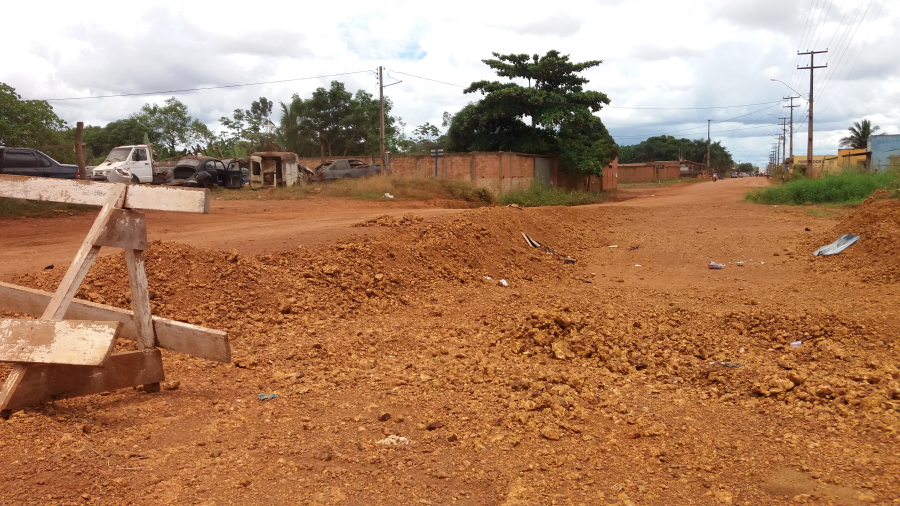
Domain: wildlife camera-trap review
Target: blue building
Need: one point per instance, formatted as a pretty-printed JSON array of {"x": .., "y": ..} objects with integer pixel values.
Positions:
[{"x": 884, "y": 151}]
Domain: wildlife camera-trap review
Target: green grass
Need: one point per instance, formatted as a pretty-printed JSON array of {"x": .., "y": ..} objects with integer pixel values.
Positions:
[
  {"x": 19, "y": 208},
  {"x": 537, "y": 196},
  {"x": 824, "y": 211},
  {"x": 848, "y": 188},
  {"x": 371, "y": 188}
]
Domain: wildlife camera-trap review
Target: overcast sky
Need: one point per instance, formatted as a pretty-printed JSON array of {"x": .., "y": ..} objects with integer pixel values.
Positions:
[{"x": 656, "y": 54}]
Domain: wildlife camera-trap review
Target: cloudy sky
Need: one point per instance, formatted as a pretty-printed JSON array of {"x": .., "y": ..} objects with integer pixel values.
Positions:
[{"x": 668, "y": 66}]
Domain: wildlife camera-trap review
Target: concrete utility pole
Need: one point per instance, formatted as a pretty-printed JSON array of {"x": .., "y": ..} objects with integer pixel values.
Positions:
[
  {"x": 708, "y": 160},
  {"x": 783, "y": 140},
  {"x": 812, "y": 67},
  {"x": 381, "y": 117},
  {"x": 792, "y": 129}
]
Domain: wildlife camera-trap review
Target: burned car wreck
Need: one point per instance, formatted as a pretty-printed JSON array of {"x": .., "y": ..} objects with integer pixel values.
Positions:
[
  {"x": 206, "y": 172},
  {"x": 341, "y": 169}
]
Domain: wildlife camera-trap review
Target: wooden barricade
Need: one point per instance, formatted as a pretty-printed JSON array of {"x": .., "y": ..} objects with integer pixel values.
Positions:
[{"x": 56, "y": 358}]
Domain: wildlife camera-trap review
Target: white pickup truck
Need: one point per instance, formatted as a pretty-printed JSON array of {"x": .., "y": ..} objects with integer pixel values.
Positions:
[{"x": 130, "y": 164}]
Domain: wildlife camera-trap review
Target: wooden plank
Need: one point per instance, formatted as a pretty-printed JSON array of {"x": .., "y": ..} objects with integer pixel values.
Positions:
[
  {"x": 170, "y": 334},
  {"x": 73, "y": 342},
  {"x": 83, "y": 258},
  {"x": 125, "y": 229},
  {"x": 161, "y": 198},
  {"x": 168, "y": 198},
  {"x": 53, "y": 190},
  {"x": 140, "y": 304},
  {"x": 44, "y": 383}
]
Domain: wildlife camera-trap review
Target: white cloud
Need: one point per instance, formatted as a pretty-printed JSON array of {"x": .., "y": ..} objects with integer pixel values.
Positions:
[{"x": 656, "y": 54}]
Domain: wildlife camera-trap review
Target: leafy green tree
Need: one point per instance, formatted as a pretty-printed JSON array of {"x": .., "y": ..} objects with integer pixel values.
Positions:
[
  {"x": 334, "y": 122},
  {"x": 26, "y": 123},
  {"x": 859, "y": 135},
  {"x": 253, "y": 125},
  {"x": 551, "y": 115},
  {"x": 666, "y": 147},
  {"x": 172, "y": 126},
  {"x": 745, "y": 167}
]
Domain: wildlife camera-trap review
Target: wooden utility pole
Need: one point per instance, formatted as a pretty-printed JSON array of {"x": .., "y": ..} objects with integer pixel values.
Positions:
[
  {"x": 708, "y": 160},
  {"x": 812, "y": 67},
  {"x": 792, "y": 129},
  {"x": 381, "y": 117},
  {"x": 79, "y": 151}
]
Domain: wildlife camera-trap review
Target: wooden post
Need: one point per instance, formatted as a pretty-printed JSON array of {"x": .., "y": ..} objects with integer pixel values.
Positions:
[{"x": 79, "y": 151}]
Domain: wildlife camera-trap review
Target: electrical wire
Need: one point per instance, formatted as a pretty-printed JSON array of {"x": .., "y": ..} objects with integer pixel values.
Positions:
[
  {"x": 429, "y": 79},
  {"x": 205, "y": 87},
  {"x": 688, "y": 108}
]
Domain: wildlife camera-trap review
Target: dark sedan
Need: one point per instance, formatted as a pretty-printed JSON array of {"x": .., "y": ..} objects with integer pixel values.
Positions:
[{"x": 31, "y": 162}]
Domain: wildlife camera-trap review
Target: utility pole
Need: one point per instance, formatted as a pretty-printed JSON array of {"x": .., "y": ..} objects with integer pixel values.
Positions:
[
  {"x": 381, "y": 117},
  {"x": 812, "y": 67},
  {"x": 708, "y": 160},
  {"x": 792, "y": 129},
  {"x": 783, "y": 142}
]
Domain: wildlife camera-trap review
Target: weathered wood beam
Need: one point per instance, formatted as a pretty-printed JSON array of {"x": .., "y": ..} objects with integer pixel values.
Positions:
[
  {"x": 170, "y": 334},
  {"x": 71, "y": 342},
  {"x": 44, "y": 383},
  {"x": 161, "y": 198}
]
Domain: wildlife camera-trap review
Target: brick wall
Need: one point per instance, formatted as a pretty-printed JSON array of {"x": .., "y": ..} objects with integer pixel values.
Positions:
[
  {"x": 499, "y": 172},
  {"x": 646, "y": 172},
  {"x": 608, "y": 182}
]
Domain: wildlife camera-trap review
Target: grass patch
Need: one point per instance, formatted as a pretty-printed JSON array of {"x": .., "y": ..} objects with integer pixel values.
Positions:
[
  {"x": 371, "y": 188},
  {"x": 537, "y": 196},
  {"x": 20, "y": 208},
  {"x": 848, "y": 188}
]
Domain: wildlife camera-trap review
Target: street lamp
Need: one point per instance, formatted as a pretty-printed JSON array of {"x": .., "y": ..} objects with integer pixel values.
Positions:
[{"x": 792, "y": 89}]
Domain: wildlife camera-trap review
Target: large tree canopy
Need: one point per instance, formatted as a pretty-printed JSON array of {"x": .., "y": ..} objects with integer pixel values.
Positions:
[
  {"x": 666, "y": 147},
  {"x": 172, "y": 126},
  {"x": 553, "y": 114},
  {"x": 334, "y": 122},
  {"x": 26, "y": 123}
]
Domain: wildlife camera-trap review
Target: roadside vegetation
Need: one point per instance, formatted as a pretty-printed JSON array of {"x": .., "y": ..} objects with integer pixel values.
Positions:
[
  {"x": 847, "y": 188},
  {"x": 18, "y": 208},
  {"x": 537, "y": 196},
  {"x": 372, "y": 188}
]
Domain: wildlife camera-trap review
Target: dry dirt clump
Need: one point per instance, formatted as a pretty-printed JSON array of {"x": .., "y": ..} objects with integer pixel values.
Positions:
[
  {"x": 387, "y": 220},
  {"x": 876, "y": 255}
]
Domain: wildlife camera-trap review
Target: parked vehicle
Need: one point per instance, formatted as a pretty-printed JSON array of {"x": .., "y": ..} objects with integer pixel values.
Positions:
[
  {"x": 31, "y": 162},
  {"x": 130, "y": 164},
  {"x": 206, "y": 172},
  {"x": 344, "y": 168}
]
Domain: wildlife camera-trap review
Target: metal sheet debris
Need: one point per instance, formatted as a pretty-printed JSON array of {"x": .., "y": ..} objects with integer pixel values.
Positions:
[{"x": 842, "y": 243}]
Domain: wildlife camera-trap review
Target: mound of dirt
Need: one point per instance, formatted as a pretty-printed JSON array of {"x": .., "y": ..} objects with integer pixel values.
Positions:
[{"x": 875, "y": 257}]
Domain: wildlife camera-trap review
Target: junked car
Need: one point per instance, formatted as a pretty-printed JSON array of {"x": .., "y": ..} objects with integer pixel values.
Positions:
[
  {"x": 206, "y": 172},
  {"x": 340, "y": 169}
]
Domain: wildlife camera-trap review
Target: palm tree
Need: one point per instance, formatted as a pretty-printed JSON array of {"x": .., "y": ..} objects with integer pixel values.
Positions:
[{"x": 859, "y": 135}]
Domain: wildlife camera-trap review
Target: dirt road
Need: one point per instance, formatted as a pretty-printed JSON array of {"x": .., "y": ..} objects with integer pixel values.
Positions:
[
  {"x": 246, "y": 226},
  {"x": 407, "y": 373}
]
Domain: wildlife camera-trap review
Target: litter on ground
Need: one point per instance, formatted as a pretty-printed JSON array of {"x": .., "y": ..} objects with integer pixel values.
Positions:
[
  {"x": 716, "y": 265},
  {"x": 843, "y": 242},
  {"x": 393, "y": 440},
  {"x": 266, "y": 397}
]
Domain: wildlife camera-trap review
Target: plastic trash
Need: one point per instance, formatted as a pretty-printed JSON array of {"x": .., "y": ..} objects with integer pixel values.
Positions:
[
  {"x": 613, "y": 246},
  {"x": 266, "y": 397},
  {"x": 843, "y": 242},
  {"x": 388, "y": 195},
  {"x": 637, "y": 265},
  {"x": 488, "y": 278},
  {"x": 393, "y": 440},
  {"x": 716, "y": 265},
  {"x": 503, "y": 282},
  {"x": 796, "y": 344}
]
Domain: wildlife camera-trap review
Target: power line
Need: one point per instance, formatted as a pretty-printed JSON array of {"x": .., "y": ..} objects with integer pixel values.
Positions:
[
  {"x": 429, "y": 79},
  {"x": 699, "y": 127},
  {"x": 205, "y": 87},
  {"x": 687, "y": 108}
]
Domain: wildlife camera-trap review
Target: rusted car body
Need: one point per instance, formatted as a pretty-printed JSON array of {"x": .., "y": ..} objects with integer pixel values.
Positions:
[
  {"x": 273, "y": 168},
  {"x": 342, "y": 169},
  {"x": 206, "y": 172}
]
